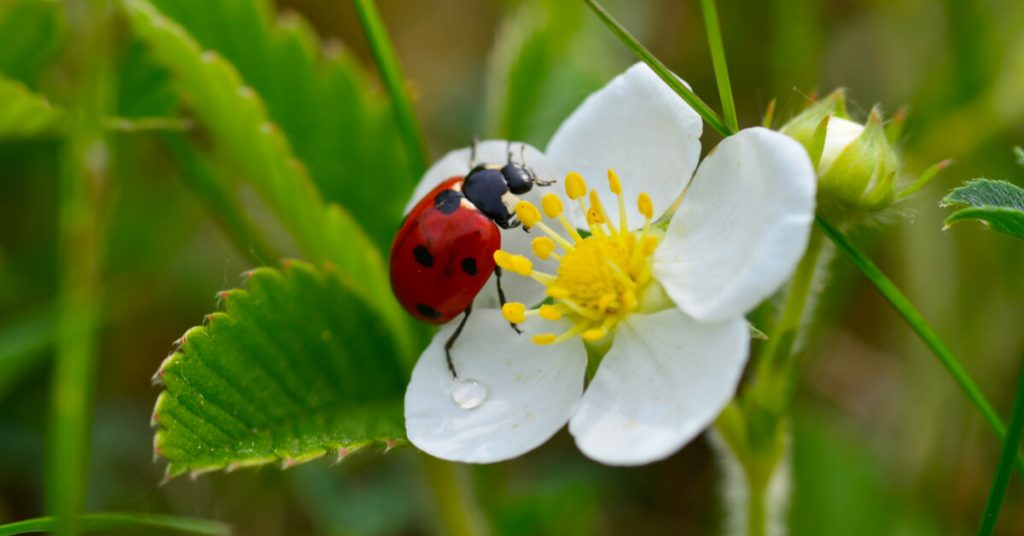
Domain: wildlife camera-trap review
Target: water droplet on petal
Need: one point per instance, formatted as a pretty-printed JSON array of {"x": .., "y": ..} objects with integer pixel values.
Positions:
[{"x": 469, "y": 394}]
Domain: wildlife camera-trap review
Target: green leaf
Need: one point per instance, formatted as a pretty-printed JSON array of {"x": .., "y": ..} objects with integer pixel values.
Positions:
[
  {"x": 24, "y": 114},
  {"x": 338, "y": 121},
  {"x": 239, "y": 125},
  {"x": 999, "y": 204},
  {"x": 33, "y": 32},
  {"x": 296, "y": 367},
  {"x": 1019, "y": 153},
  {"x": 107, "y": 521}
]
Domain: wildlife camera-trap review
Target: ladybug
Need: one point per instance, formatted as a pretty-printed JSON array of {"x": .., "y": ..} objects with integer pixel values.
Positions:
[{"x": 443, "y": 253}]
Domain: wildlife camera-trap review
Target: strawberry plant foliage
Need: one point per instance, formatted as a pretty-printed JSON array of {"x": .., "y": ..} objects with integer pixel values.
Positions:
[
  {"x": 294, "y": 367},
  {"x": 237, "y": 121},
  {"x": 998, "y": 204}
]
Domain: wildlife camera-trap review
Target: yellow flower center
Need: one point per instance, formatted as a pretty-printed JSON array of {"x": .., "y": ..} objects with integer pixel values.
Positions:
[{"x": 599, "y": 277}]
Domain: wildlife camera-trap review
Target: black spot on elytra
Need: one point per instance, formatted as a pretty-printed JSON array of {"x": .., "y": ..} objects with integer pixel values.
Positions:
[
  {"x": 423, "y": 256},
  {"x": 448, "y": 201},
  {"x": 469, "y": 265},
  {"x": 427, "y": 311}
]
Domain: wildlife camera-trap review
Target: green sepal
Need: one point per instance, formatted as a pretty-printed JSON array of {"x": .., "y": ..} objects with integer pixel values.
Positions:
[
  {"x": 804, "y": 126},
  {"x": 863, "y": 178}
]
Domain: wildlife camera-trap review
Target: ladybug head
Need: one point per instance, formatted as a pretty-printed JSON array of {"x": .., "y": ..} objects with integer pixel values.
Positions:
[
  {"x": 493, "y": 188},
  {"x": 486, "y": 187}
]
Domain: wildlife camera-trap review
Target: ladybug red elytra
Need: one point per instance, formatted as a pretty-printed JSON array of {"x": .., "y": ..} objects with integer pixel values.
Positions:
[{"x": 443, "y": 253}]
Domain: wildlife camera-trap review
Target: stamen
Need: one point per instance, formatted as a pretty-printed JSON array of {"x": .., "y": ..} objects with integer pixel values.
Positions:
[
  {"x": 575, "y": 188},
  {"x": 619, "y": 274},
  {"x": 645, "y": 205},
  {"x": 544, "y": 247},
  {"x": 516, "y": 264},
  {"x": 616, "y": 185},
  {"x": 514, "y": 312},
  {"x": 574, "y": 331},
  {"x": 544, "y": 339},
  {"x": 528, "y": 214},
  {"x": 579, "y": 309},
  {"x": 552, "y": 206},
  {"x": 550, "y": 312},
  {"x": 595, "y": 204},
  {"x": 599, "y": 277}
]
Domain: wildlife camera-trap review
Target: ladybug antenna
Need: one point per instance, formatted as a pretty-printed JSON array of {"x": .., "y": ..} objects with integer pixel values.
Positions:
[
  {"x": 522, "y": 154},
  {"x": 472, "y": 152},
  {"x": 508, "y": 149}
]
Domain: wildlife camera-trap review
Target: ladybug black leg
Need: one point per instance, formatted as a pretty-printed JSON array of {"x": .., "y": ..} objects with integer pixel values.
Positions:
[
  {"x": 451, "y": 340},
  {"x": 501, "y": 296}
]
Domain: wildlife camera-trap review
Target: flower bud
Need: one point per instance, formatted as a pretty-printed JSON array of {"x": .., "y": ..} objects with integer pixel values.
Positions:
[{"x": 857, "y": 168}]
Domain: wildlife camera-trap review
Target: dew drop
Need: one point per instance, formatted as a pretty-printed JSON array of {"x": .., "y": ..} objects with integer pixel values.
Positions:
[{"x": 469, "y": 394}]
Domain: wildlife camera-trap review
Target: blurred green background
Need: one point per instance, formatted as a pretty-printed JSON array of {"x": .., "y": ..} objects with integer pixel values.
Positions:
[{"x": 883, "y": 442}]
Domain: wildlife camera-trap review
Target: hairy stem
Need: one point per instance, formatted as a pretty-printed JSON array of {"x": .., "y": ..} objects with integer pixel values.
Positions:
[{"x": 457, "y": 508}]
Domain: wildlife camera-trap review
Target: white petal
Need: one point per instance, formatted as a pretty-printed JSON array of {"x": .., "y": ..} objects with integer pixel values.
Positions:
[
  {"x": 531, "y": 391},
  {"x": 640, "y": 128},
  {"x": 838, "y": 134},
  {"x": 664, "y": 380},
  {"x": 456, "y": 163},
  {"x": 742, "y": 227}
]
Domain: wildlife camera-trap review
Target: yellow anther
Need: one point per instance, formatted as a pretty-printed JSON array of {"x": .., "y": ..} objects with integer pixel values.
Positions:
[
  {"x": 614, "y": 182},
  {"x": 516, "y": 264},
  {"x": 551, "y": 204},
  {"x": 514, "y": 312},
  {"x": 550, "y": 312},
  {"x": 593, "y": 334},
  {"x": 558, "y": 293},
  {"x": 575, "y": 188},
  {"x": 650, "y": 244},
  {"x": 543, "y": 247},
  {"x": 544, "y": 338},
  {"x": 520, "y": 265},
  {"x": 645, "y": 205},
  {"x": 502, "y": 258},
  {"x": 594, "y": 217},
  {"x": 605, "y": 301},
  {"x": 528, "y": 214}
]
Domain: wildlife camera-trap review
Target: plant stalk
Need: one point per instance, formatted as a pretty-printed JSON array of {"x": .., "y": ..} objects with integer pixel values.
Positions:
[
  {"x": 387, "y": 63},
  {"x": 457, "y": 508},
  {"x": 677, "y": 85},
  {"x": 1005, "y": 467},
  {"x": 917, "y": 323},
  {"x": 714, "y": 32}
]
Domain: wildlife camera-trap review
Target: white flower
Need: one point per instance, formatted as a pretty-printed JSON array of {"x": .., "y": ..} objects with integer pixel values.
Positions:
[{"x": 665, "y": 305}]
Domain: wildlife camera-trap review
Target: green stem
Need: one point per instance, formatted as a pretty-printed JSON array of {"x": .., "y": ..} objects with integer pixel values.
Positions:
[
  {"x": 115, "y": 520},
  {"x": 387, "y": 63},
  {"x": 86, "y": 165},
  {"x": 784, "y": 337},
  {"x": 757, "y": 511},
  {"x": 1005, "y": 467},
  {"x": 457, "y": 508},
  {"x": 677, "y": 85},
  {"x": 917, "y": 322},
  {"x": 718, "y": 61}
]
